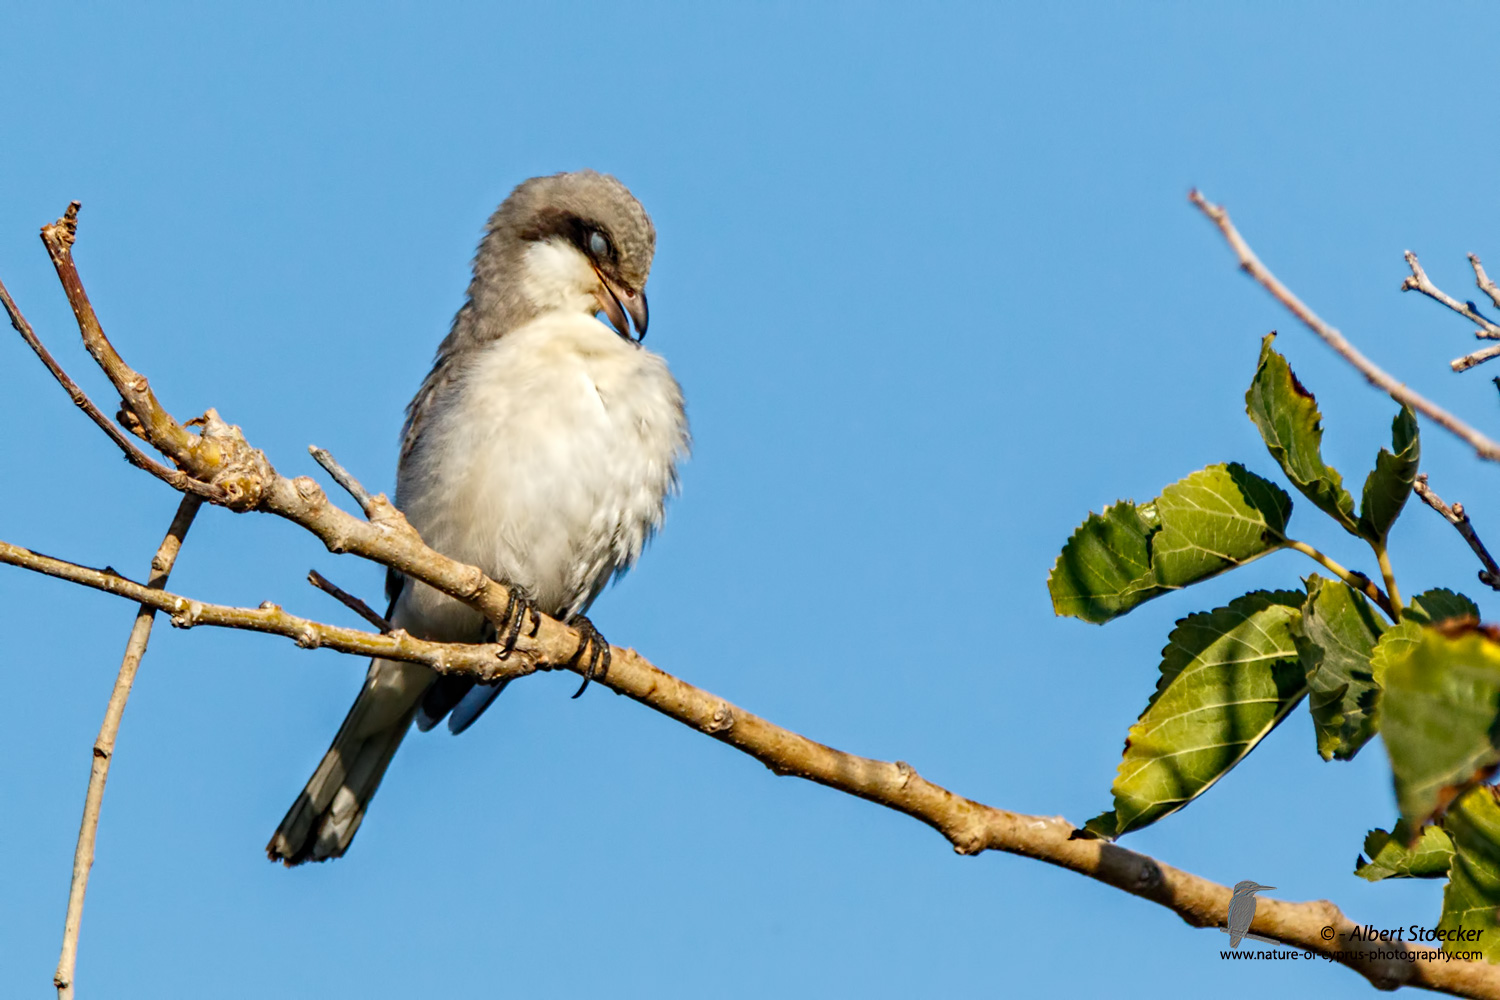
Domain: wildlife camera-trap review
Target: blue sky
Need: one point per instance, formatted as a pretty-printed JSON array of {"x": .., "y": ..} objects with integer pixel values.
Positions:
[{"x": 933, "y": 289}]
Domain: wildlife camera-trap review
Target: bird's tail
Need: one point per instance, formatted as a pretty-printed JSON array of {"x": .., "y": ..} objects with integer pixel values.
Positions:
[{"x": 325, "y": 817}]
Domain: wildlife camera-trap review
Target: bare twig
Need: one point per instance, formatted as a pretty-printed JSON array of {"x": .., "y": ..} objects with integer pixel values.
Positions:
[
  {"x": 175, "y": 478},
  {"x": 480, "y": 660},
  {"x": 342, "y": 476},
  {"x": 1419, "y": 282},
  {"x": 1459, "y": 518},
  {"x": 1479, "y": 357},
  {"x": 348, "y": 600},
  {"x": 221, "y": 456},
  {"x": 104, "y": 746},
  {"x": 134, "y": 390},
  {"x": 1251, "y": 265},
  {"x": 1483, "y": 281}
]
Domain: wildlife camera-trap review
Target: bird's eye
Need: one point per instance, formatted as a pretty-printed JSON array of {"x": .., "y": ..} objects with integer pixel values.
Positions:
[{"x": 598, "y": 245}]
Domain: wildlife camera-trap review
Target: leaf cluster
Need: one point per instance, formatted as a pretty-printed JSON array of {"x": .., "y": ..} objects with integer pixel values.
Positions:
[{"x": 1424, "y": 675}]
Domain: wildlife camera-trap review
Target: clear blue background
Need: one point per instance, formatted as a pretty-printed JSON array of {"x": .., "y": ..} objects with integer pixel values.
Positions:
[{"x": 934, "y": 291}]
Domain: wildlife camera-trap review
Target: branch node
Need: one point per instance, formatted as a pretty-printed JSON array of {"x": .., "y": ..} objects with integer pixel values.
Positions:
[{"x": 722, "y": 719}]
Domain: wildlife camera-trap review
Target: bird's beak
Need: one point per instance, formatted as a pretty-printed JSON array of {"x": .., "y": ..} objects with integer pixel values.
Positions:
[
  {"x": 1264, "y": 888},
  {"x": 616, "y": 300}
]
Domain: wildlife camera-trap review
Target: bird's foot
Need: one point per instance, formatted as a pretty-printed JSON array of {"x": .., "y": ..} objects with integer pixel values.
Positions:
[
  {"x": 597, "y": 648},
  {"x": 517, "y": 607}
]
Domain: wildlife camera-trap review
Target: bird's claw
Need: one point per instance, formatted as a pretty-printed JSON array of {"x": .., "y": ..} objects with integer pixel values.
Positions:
[
  {"x": 517, "y": 607},
  {"x": 595, "y": 645}
]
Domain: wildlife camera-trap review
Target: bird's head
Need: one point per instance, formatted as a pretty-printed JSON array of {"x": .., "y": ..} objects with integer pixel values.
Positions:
[
  {"x": 575, "y": 241},
  {"x": 1249, "y": 888}
]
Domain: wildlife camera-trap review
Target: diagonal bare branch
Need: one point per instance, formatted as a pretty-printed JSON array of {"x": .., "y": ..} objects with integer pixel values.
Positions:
[
  {"x": 104, "y": 745},
  {"x": 1419, "y": 282},
  {"x": 1483, "y": 446},
  {"x": 1459, "y": 518}
]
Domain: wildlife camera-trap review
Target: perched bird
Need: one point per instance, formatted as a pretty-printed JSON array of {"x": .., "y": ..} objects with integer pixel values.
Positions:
[
  {"x": 1242, "y": 909},
  {"x": 541, "y": 448}
]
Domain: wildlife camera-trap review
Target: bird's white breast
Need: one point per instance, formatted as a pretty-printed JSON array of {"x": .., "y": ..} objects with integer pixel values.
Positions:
[{"x": 548, "y": 466}]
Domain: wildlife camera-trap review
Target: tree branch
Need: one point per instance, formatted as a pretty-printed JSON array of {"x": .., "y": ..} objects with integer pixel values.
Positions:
[
  {"x": 1459, "y": 518},
  {"x": 1483, "y": 280},
  {"x": 104, "y": 746},
  {"x": 1419, "y": 282},
  {"x": 172, "y": 477},
  {"x": 1251, "y": 265},
  {"x": 219, "y": 455},
  {"x": 348, "y": 600},
  {"x": 480, "y": 660}
]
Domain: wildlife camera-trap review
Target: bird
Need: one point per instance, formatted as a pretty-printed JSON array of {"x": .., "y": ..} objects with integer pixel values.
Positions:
[
  {"x": 1242, "y": 909},
  {"x": 542, "y": 447}
]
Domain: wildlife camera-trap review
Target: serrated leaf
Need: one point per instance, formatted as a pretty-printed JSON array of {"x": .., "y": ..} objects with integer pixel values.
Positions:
[
  {"x": 1228, "y": 676},
  {"x": 1214, "y": 520},
  {"x": 1211, "y": 521},
  {"x": 1440, "y": 604},
  {"x": 1104, "y": 570},
  {"x": 1393, "y": 855},
  {"x": 1336, "y": 637},
  {"x": 1472, "y": 898},
  {"x": 1438, "y": 718},
  {"x": 1389, "y": 485},
  {"x": 1289, "y": 422}
]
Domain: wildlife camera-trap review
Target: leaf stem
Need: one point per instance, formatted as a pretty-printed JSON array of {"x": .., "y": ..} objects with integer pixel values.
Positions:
[
  {"x": 1389, "y": 576},
  {"x": 1355, "y": 579}
]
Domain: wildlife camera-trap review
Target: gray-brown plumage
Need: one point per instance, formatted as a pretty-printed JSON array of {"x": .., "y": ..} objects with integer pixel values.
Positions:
[
  {"x": 1242, "y": 909},
  {"x": 541, "y": 448}
]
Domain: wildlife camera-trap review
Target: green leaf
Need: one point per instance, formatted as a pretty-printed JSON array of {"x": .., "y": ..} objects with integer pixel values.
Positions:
[
  {"x": 1427, "y": 608},
  {"x": 1393, "y": 855},
  {"x": 1228, "y": 676},
  {"x": 1387, "y": 488},
  {"x": 1214, "y": 520},
  {"x": 1336, "y": 636},
  {"x": 1440, "y": 604},
  {"x": 1105, "y": 568},
  {"x": 1472, "y": 898},
  {"x": 1438, "y": 717},
  {"x": 1291, "y": 426}
]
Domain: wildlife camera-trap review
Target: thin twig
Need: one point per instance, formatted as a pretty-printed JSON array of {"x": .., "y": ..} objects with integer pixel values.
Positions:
[
  {"x": 1251, "y": 265},
  {"x": 1419, "y": 282},
  {"x": 1483, "y": 281},
  {"x": 104, "y": 746},
  {"x": 1459, "y": 518},
  {"x": 348, "y": 600},
  {"x": 344, "y": 478},
  {"x": 156, "y": 424},
  {"x": 175, "y": 478},
  {"x": 1479, "y": 357},
  {"x": 480, "y": 660}
]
